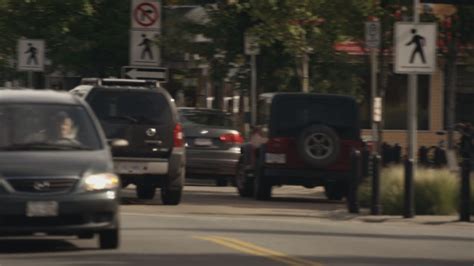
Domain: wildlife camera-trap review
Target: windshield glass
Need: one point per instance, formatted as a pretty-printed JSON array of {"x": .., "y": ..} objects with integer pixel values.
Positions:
[
  {"x": 206, "y": 118},
  {"x": 46, "y": 127},
  {"x": 131, "y": 107}
]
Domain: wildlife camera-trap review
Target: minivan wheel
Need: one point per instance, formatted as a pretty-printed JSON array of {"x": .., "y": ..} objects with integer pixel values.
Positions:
[
  {"x": 109, "y": 239},
  {"x": 244, "y": 184},
  {"x": 318, "y": 145},
  {"x": 146, "y": 191},
  {"x": 263, "y": 188},
  {"x": 171, "y": 197},
  {"x": 85, "y": 235}
]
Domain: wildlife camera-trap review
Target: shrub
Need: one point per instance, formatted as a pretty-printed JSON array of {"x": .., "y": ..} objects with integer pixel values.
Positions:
[{"x": 436, "y": 191}]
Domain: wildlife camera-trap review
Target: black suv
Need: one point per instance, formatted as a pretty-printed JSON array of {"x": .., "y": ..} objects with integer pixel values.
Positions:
[
  {"x": 145, "y": 115},
  {"x": 305, "y": 139}
]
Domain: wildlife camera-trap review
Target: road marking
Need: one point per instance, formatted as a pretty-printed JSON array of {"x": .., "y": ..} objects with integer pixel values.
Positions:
[{"x": 252, "y": 249}]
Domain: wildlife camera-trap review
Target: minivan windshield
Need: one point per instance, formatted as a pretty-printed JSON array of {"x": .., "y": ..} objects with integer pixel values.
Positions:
[{"x": 26, "y": 127}]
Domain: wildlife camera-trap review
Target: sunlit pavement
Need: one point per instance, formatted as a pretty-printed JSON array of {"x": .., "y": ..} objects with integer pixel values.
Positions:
[{"x": 213, "y": 226}]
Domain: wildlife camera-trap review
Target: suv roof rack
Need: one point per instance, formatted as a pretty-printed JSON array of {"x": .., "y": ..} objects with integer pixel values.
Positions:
[{"x": 120, "y": 82}]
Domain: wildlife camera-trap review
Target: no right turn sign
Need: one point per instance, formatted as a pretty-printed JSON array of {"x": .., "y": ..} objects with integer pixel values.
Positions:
[{"x": 415, "y": 48}]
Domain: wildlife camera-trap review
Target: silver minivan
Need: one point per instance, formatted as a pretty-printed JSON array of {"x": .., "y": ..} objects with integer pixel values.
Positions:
[{"x": 56, "y": 169}]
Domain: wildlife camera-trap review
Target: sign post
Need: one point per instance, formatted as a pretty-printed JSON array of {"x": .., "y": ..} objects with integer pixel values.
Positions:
[
  {"x": 372, "y": 41},
  {"x": 253, "y": 49},
  {"x": 415, "y": 53},
  {"x": 30, "y": 57}
]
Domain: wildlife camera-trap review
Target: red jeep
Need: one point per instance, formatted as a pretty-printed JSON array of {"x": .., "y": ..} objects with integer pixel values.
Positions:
[{"x": 307, "y": 140}]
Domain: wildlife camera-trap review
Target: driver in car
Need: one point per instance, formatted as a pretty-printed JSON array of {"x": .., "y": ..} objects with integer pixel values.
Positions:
[{"x": 66, "y": 130}]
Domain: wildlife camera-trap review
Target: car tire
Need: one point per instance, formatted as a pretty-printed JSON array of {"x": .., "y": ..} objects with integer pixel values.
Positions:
[
  {"x": 221, "y": 181},
  {"x": 146, "y": 191},
  {"x": 318, "y": 145},
  {"x": 244, "y": 184},
  {"x": 171, "y": 197},
  {"x": 109, "y": 239},
  {"x": 263, "y": 188},
  {"x": 335, "y": 191}
]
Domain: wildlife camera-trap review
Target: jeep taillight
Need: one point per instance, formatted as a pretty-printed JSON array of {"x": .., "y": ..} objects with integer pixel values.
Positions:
[
  {"x": 178, "y": 136},
  {"x": 232, "y": 138}
]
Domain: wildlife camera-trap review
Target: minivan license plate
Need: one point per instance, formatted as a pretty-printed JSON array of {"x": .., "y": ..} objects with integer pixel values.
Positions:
[{"x": 41, "y": 208}]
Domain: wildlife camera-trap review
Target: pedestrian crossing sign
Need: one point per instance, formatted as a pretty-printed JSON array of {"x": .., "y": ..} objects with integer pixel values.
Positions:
[
  {"x": 30, "y": 55},
  {"x": 144, "y": 50},
  {"x": 415, "y": 48}
]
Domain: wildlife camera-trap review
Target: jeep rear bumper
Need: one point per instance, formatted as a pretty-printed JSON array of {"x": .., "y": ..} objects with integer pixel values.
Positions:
[{"x": 304, "y": 177}]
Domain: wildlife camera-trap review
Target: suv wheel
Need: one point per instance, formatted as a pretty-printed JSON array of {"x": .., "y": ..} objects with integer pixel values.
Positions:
[
  {"x": 146, "y": 191},
  {"x": 263, "y": 188},
  {"x": 244, "y": 184},
  {"x": 171, "y": 197},
  {"x": 335, "y": 191},
  {"x": 109, "y": 239},
  {"x": 318, "y": 145}
]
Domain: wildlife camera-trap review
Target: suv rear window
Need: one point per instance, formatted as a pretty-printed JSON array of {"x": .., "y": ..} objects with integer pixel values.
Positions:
[
  {"x": 293, "y": 114},
  {"x": 129, "y": 106}
]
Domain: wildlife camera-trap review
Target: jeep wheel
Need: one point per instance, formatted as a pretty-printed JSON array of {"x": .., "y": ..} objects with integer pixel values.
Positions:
[
  {"x": 318, "y": 145},
  {"x": 244, "y": 184},
  {"x": 146, "y": 191},
  {"x": 109, "y": 239},
  {"x": 221, "y": 181},
  {"x": 171, "y": 197},
  {"x": 263, "y": 188},
  {"x": 335, "y": 191}
]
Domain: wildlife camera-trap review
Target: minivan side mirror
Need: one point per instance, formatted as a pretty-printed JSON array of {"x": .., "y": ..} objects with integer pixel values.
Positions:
[{"x": 117, "y": 142}]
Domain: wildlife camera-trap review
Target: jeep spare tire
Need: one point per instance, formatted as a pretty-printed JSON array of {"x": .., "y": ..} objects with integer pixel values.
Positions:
[{"x": 318, "y": 145}]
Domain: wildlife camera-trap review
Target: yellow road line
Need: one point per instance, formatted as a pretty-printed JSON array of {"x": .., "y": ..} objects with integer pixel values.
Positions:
[{"x": 252, "y": 249}]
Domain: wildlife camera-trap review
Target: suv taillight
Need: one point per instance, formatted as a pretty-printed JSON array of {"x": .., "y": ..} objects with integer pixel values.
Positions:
[
  {"x": 178, "y": 136},
  {"x": 232, "y": 138}
]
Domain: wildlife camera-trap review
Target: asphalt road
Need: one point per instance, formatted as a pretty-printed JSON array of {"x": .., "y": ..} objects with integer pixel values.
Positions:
[{"x": 214, "y": 227}]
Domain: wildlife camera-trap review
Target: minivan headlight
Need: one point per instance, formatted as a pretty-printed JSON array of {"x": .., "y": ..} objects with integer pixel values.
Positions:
[{"x": 101, "y": 181}]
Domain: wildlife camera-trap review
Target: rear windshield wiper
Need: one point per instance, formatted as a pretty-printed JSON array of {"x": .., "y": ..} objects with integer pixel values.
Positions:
[{"x": 123, "y": 118}]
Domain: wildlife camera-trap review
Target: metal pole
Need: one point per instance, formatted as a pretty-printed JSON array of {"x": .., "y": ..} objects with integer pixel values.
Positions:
[
  {"x": 465, "y": 208},
  {"x": 30, "y": 79},
  {"x": 305, "y": 72},
  {"x": 352, "y": 200},
  {"x": 376, "y": 207},
  {"x": 253, "y": 93},
  {"x": 410, "y": 165},
  {"x": 373, "y": 86}
]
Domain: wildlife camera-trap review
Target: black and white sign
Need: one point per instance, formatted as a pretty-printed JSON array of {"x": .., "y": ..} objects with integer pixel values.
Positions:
[
  {"x": 146, "y": 14},
  {"x": 143, "y": 48},
  {"x": 31, "y": 55},
  {"x": 415, "y": 48},
  {"x": 372, "y": 34},
  {"x": 150, "y": 73}
]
